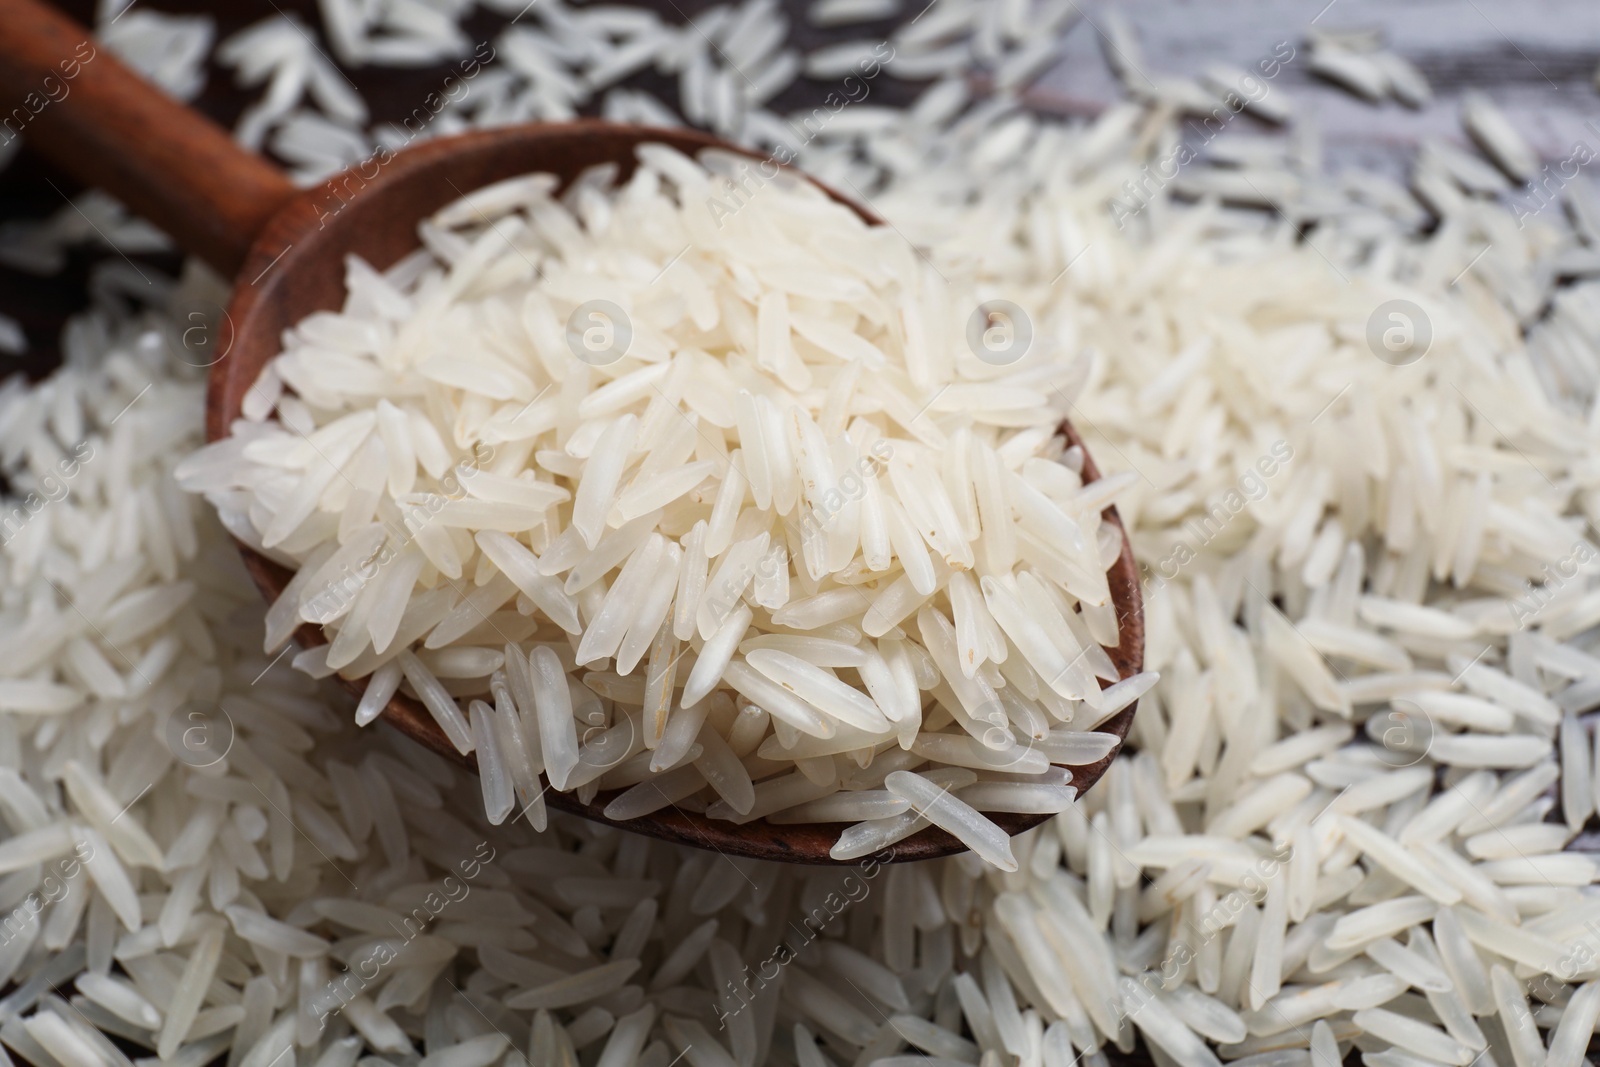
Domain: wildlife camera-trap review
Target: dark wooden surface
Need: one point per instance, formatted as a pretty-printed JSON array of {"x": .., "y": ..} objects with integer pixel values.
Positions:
[{"x": 1534, "y": 58}]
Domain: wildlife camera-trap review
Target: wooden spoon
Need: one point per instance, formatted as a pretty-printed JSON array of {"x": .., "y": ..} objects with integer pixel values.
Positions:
[{"x": 285, "y": 248}]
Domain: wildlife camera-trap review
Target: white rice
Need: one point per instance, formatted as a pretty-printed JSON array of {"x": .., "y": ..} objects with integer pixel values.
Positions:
[
  {"x": 665, "y": 402},
  {"x": 1411, "y": 554}
]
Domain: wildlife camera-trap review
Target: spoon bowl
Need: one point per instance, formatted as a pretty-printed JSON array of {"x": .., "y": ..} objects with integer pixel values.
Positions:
[{"x": 286, "y": 250}]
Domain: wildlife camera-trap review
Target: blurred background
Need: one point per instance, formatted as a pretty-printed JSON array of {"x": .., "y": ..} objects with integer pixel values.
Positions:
[{"x": 1358, "y": 82}]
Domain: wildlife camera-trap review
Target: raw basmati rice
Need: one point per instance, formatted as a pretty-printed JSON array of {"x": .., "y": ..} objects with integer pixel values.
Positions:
[
  {"x": 288, "y": 812},
  {"x": 636, "y": 539}
]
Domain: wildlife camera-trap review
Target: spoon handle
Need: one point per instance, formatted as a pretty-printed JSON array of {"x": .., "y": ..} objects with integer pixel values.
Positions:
[{"x": 106, "y": 126}]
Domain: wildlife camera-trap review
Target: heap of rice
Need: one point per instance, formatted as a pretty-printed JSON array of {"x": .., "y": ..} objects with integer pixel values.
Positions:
[
  {"x": 722, "y": 480},
  {"x": 1372, "y": 598}
]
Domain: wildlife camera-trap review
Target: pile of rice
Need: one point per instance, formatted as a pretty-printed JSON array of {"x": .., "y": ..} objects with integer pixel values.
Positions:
[
  {"x": 729, "y": 486},
  {"x": 1359, "y": 436}
]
